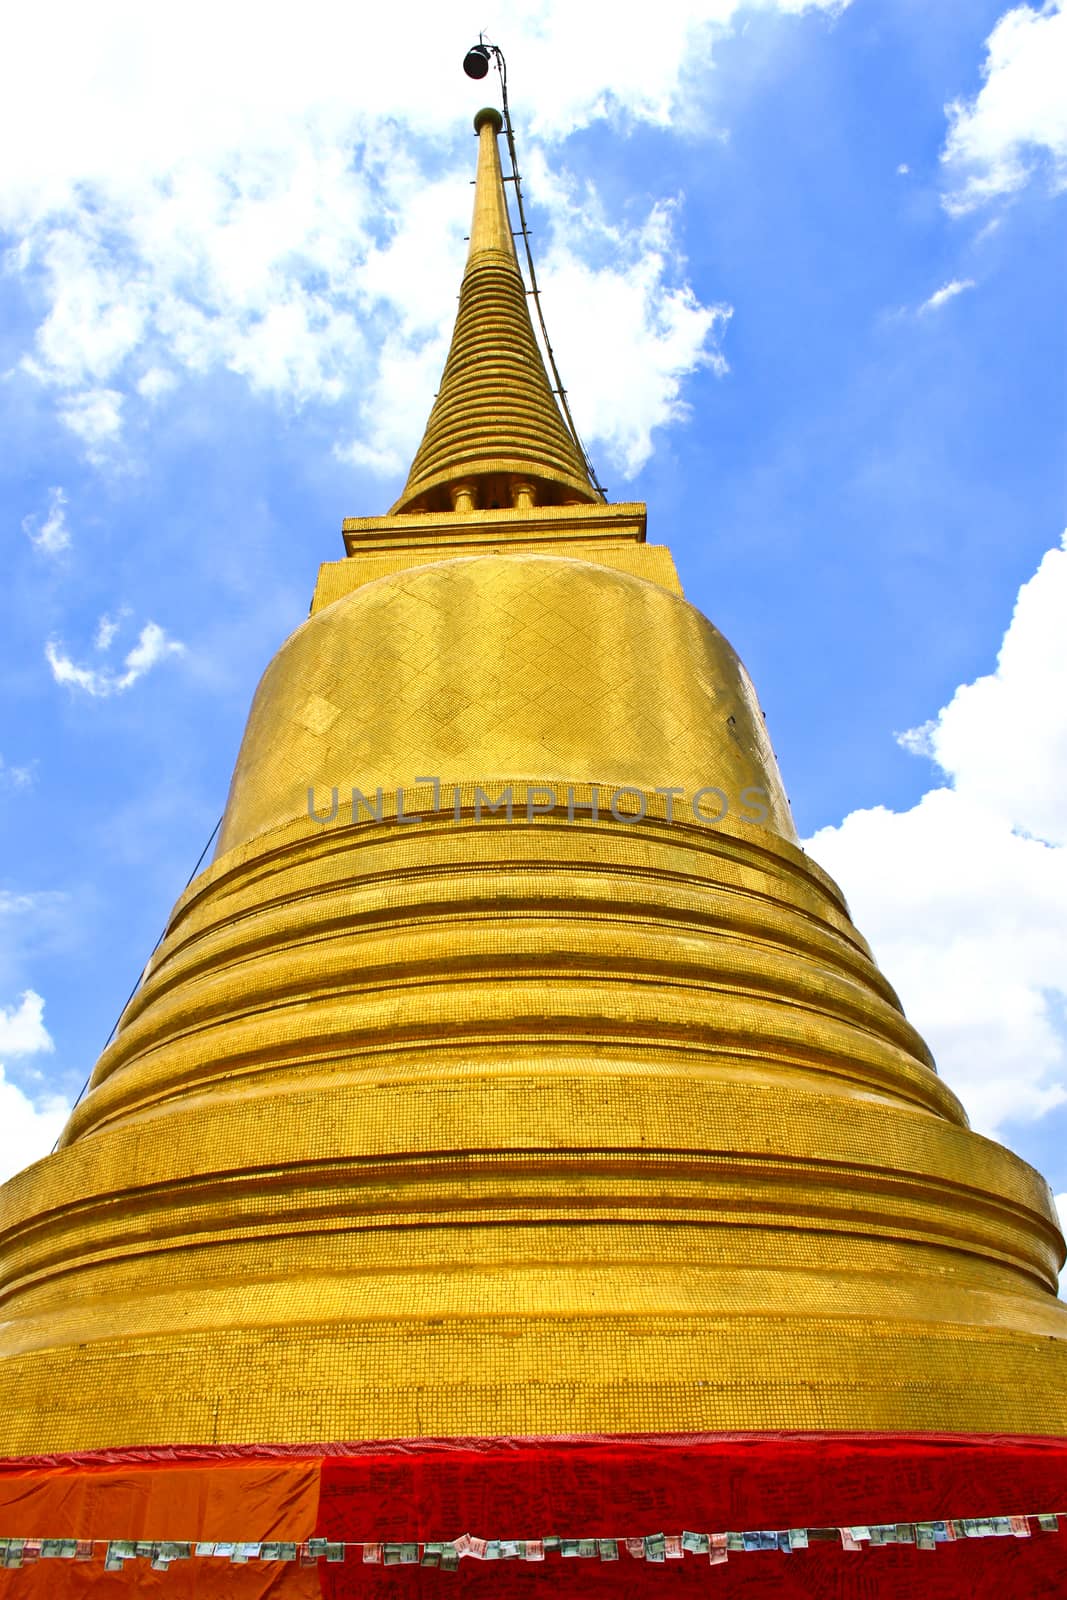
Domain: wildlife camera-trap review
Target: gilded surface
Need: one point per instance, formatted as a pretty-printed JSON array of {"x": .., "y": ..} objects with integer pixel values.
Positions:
[
  {"x": 494, "y": 416},
  {"x": 540, "y": 527},
  {"x": 476, "y": 1126},
  {"x": 497, "y": 667},
  {"x": 435, "y": 1119},
  {"x": 338, "y": 578},
  {"x": 605, "y": 535}
]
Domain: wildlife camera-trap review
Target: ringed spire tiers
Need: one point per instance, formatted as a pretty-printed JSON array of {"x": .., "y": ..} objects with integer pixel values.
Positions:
[{"x": 495, "y": 436}]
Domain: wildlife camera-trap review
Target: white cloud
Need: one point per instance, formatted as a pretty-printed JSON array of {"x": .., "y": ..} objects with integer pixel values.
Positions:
[
  {"x": 1018, "y": 120},
  {"x": 152, "y": 647},
  {"x": 96, "y": 417},
  {"x": 595, "y": 275},
  {"x": 52, "y": 534},
  {"x": 28, "y": 1127},
  {"x": 15, "y": 777},
  {"x": 1003, "y": 739},
  {"x": 903, "y": 170},
  {"x": 963, "y": 896},
  {"x": 947, "y": 292},
  {"x": 599, "y": 274},
  {"x": 156, "y": 382},
  {"x": 16, "y": 904},
  {"x": 108, "y": 628},
  {"x": 183, "y": 210},
  {"x": 22, "y": 1029}
]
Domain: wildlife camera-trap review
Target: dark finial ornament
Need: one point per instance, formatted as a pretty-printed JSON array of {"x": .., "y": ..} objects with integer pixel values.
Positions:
[{"x": 476, "y": 61}]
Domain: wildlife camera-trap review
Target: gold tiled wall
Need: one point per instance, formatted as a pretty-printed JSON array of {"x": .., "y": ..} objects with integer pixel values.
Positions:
[
  {"x": 521, "y": 666},
  {"x": 338, "y": 578},
  {"x": 568, "y": 1121},
  {"x": 458, "y": 1128}
]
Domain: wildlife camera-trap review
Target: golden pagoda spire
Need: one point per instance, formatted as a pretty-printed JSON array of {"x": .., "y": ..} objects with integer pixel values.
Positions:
[
  {"x": 495, "y": 436},
  {"x": 490, "y": 225}
]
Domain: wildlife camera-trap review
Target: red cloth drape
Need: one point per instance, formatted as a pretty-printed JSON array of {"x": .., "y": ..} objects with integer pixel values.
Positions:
[
  {"x": 614, "y": 1487},
  {"x": 420, "y": 1490}
]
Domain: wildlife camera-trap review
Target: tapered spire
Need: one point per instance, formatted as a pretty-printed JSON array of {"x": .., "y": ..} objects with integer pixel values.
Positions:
[{"x": 495, "y": 436}]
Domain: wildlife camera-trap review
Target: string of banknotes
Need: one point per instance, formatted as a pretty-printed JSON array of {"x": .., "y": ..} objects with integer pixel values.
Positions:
[{"x": 446, "y": 1554}]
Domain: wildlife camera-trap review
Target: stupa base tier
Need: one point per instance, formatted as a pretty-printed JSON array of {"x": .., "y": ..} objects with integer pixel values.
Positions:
[
  {"x": 762, "y": 1367},
  {"x": 877, "y": 1514}
]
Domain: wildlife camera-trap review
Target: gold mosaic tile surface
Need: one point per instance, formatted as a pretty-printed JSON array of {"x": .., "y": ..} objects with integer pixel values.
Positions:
[
  {"x": 503, "y": 667},
  {"x": 494, "y": 411},
  {"x": 339, "y": 578},
  {"x": 490, "y": 1127},
  {"x": 432, "y": 1119}
]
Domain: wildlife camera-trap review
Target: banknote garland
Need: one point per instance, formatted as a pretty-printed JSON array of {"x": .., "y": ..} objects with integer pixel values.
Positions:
[{"x": 447, "y": 1554}]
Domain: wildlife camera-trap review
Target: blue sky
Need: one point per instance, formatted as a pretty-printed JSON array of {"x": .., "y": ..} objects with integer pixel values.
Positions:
[{"x": 803, "y": 268}]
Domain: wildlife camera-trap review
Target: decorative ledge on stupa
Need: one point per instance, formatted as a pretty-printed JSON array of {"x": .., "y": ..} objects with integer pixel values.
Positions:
[
  {"x": 606, "y": 535},
  {"x": 535, "y": 525}
]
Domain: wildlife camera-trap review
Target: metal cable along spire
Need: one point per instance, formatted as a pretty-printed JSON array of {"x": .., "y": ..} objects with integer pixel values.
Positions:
[{"x": 476, "y": 65}]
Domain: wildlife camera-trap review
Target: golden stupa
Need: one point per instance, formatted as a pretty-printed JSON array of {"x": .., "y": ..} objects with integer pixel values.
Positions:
[{"x": 542, "y": 1085}]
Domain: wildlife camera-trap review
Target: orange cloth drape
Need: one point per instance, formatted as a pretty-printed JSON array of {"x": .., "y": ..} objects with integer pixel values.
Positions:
[{"x": 275, "y": 1499}]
